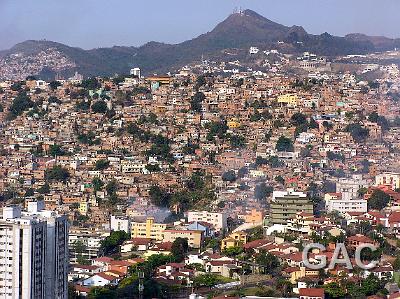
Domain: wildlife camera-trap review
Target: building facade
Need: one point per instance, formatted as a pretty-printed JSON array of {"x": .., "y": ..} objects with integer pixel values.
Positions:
[
  {"x": 148, "y": 229},
  {"x": 218, "y": 220},
  {"x": 33, "y": 253},
  {"x": 286, "y": 204}
]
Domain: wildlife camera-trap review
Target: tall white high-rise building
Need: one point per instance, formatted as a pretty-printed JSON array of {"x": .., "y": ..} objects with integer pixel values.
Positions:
[
  {"x": 33, "y": 253},
  {"x": 136, "y": 72}
]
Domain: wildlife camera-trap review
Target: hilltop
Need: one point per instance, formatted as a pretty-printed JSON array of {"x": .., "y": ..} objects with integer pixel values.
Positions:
[{"x": 239, "y": 31}]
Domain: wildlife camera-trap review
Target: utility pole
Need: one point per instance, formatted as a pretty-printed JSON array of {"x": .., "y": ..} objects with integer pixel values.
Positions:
[{"x": 141, "y": 283}]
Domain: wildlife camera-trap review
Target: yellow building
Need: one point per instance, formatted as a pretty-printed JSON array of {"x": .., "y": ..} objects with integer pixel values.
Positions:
[
  {"x": 150, "y": 252},
  {"x": 290, "y": 100},
  {"x": 83, "y": 208},
  {"x": 148, "y": 229},
  {"x": 234, "y": 240},
  {"x": 160, "y": 79},
  {"x": 194, "y": 237},
  {"x": 295, "y": 273},
  {"x": 233, "y": 123}
]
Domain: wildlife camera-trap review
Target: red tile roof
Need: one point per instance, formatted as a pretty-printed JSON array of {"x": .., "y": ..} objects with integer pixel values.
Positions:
[{"x": 312, "y": 292}]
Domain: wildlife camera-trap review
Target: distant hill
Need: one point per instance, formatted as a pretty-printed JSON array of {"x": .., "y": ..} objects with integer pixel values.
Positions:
[
  {"x": 240, "y": 30},
  {"x": 380, "y": 43}
]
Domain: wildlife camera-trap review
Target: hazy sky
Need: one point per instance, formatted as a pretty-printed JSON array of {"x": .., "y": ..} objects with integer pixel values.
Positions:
[{"x": 96, "y": 23}]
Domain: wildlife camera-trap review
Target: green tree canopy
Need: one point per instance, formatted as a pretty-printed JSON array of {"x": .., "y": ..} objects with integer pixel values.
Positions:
[
  {"x": 284, "y": 144},
  {"x": 378, "y": 200},
  {"x": 57, "y": 173},
  {"x": 262, "y": 191},
  {"x": 110, "y": 244},
  {"x": 179, "y": 249},
  {"x": 99, "y": 106},
  {"x": 101, "y": 164},
  {"x": 196, "y": 102}
]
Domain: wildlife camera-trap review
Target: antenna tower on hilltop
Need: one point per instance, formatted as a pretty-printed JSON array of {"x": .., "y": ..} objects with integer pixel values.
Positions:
[{"x": 238, "y": 10}]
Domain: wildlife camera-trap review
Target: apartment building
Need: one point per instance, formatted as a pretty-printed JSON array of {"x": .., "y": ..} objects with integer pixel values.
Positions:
[
  {"x": 389, "y": 179},
  {"x": 120, "y": 222},
  {"x": 84, "y": 244},
  {"x": 148, "y": 229},
  {"x": 335, "y": 202},
  {"x": 218, "y": 220},
  {"x": 194, "y": 237},
  {"x": 33, "y": 253},
  {"x": 349, "y": 187},
  {"x": 286, "y": 204}
]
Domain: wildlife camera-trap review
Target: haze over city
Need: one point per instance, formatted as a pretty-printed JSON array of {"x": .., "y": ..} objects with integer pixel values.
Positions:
[
  {"x": 101, "y": 23},
  {"x": 222, "y": 149}
]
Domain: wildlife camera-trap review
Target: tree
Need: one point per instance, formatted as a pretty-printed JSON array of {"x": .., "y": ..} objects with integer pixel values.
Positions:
[
  {"x": 200, "y": 81},
  {"x": 327, "y": 125},
  {"x": 79, "y": 248},
  {"x": 54, "y": 100},
  {"x": 97, "y": 184},
  {"x": 357, "y": 132},
  {"x": 111, "y": 187},
  {"x": 334, "y": 290},
  {"x": 196, "y": 181},
  {"x": 237, "y": 141},
  {"x": 205, "y": 280},
  {"x": 29, "y": 192},
  {"x": 159, "y": 197},
  {"x": 371, "y": 285},
  {"x": 72, "y": 292},
  {"x": 45, "y": 189},
  {"x": 229, "y": 176},
  {"x": 110, "y": 244},
  {"x": 101, "y": 164},
  {"x": 57, "y": 173},
  {"x": 153, "y": 167},
  {"x": 83, "y": 105},
  {"x": 300, "y": 129},
  {"x": 16, "y": 86},
  {"x": 54, "y": 85},
  {"x": 313, "y": 124},
  {"x": 102, "y": 293},
  {"x": 396, "y": 263},
  {"x": 56, "y": 150},
  {"x": 233, "y": 251},
  {"x": 378, "y": 200},
  {"x": 91, "y": 84},
  {"x": 88, "y": 138},
  {"x": 298, "y": 119},
  {"x": 379, "y": 119},
  {"x": 179, "y": 249},
  {"x": 280, "y": 179},
  {"x": 216, "y": 129},
  {"x": 284, "y": 144},
  {"x": 242, "y": 172},
  {"x": 269, "y": 262},
  {"x": 262, "y": 191},
  {"x": 196, "y": 102},
  {"x": 275, "y": 162},
  {"x": 99, "y": 106},
  {"x": 21, "y": 103}
]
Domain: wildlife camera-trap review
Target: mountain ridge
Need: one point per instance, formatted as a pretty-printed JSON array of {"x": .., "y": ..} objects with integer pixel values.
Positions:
[{"x": 239, "y": 30}]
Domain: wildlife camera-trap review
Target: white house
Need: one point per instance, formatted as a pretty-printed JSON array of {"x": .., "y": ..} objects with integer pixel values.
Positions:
[{"x": 100, "y": 280}]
